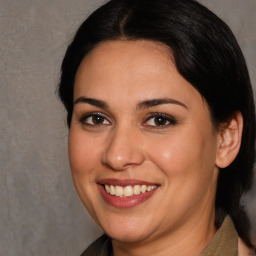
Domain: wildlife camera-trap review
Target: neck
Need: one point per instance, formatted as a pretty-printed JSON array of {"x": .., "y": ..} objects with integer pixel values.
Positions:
[{"x": 188, "y": 240}]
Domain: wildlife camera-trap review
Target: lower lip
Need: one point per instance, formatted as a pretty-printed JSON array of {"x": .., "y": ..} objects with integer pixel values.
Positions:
[{"x": 125, "y": 202}]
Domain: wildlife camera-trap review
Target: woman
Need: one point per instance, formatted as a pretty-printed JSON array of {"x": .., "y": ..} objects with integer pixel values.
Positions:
[{"x": 162, "y": 129}]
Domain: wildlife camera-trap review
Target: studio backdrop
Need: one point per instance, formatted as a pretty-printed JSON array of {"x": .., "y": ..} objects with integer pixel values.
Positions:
[{"x": 40, "y": 212}]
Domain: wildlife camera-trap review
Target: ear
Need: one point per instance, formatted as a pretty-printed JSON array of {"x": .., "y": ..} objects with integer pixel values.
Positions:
[{"x": 230, "y": 136}]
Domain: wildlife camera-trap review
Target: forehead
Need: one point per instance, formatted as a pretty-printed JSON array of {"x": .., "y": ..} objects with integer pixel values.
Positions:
[
  {"x": 137, "y": 70},
  {"x": 134, "y": 56},
  {"x": 107, "y": 48}
]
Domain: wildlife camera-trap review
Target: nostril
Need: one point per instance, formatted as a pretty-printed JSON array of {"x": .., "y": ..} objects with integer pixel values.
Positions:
[{"x": 123, "y": 149}]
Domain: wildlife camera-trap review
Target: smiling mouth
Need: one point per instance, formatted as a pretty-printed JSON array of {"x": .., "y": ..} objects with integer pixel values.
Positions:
[{"x": 128, "y": 191}]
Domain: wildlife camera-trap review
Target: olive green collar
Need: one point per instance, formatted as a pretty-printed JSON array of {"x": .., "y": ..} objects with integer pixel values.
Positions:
[{"x": 224, "y": 242}]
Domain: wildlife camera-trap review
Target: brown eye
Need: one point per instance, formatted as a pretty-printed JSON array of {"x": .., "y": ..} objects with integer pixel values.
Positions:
[
  {"x": 97, "y": 119},
  {"x": 160, "y": 120},
  {"x": 94, "y": 119}
]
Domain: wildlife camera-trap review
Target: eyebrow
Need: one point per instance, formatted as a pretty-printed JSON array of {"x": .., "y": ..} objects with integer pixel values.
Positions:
[
  {"x": 156, "y": 102},
  {"x": 142, "y": 105},
  {"x": 94, "y": 102}
]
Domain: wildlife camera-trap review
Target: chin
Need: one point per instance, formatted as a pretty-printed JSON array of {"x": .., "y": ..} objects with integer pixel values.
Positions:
[
  {"x": 127, "y": 237},
  {"x": 128, "y": 232}
]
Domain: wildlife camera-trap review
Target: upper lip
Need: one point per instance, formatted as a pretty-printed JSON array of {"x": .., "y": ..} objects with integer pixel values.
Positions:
[{"x": 125, "y": 182}]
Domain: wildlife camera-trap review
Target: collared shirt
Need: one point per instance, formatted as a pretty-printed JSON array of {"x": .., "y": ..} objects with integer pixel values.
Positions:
[{"x": 224, "y": 243}]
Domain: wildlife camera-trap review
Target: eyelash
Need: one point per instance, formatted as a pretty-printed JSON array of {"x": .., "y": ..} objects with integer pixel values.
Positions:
[
  {"x": 164, "y": 118},
  {"x": 84, "y": 119}
]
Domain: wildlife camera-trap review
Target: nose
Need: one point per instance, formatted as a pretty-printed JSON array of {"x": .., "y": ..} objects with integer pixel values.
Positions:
[{"x": 123, "y": 150}]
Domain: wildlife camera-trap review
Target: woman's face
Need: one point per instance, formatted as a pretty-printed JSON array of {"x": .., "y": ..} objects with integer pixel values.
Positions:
[{"x": 142, "y": 146}]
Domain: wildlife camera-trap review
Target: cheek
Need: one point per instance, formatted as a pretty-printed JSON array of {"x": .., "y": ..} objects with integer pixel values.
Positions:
[
  {"x": 187, "y": 166},
  {"x": 188, "y": 153},
  {"x": 83, "y": 158},
  {"x": 83, "y": 153}
]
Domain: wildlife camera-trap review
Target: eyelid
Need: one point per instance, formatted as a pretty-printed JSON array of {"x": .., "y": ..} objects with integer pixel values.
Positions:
[
  {"x": 91, "y": 114},
  {"x": 169, "y": 118},
  {"x": 172, "y": 120}
]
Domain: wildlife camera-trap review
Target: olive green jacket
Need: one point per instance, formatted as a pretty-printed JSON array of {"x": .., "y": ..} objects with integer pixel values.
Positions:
[{"x": 224, "y": 243}]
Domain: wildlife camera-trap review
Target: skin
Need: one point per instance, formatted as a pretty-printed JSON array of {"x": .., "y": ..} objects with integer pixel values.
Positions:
[{"x": 181, "y": 156}]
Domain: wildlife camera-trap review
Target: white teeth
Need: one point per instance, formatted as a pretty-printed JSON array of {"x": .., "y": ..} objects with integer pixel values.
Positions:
[
  {"x": 136, "y": 190},
  {"x": 119, "y": 191},
  {"x": 143, "y": 188},
  {"x": 107, "y": 188},
  {"x": 149, "y": 188},
  {"x": 112, "y": 190},
  {"x": 128, "y": 190}
]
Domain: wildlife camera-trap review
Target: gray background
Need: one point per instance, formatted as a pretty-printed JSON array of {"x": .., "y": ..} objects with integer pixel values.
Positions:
[{"x": 40, "y": 213}]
